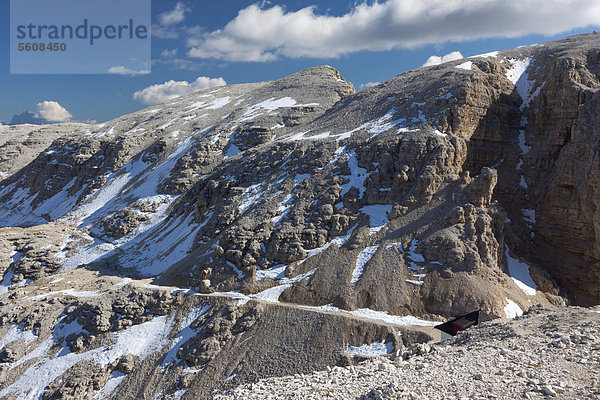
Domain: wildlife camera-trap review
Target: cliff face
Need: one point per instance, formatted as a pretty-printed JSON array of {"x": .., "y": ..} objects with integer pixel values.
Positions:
[
  {"x": 563, "y": 170},
  {"x": 468, "y": 185},
  {"x": 556, "y": 162}
]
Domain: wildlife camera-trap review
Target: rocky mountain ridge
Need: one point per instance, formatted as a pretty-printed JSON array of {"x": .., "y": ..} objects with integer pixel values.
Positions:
[{"x": 240, "y": 211}]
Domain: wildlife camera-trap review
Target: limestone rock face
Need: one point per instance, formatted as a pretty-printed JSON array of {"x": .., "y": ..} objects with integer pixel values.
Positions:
[
  {"x": 21, "y": 144},
  {"x": 246, "y": 185},
  {"x": 82, "y": 382},
  {"x": 563, "y": 169},
  {"x": 226, "y": 229}
]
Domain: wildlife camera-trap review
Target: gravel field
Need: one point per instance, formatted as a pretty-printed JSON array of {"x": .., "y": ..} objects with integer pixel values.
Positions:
[{"x": 544, "y": 354}]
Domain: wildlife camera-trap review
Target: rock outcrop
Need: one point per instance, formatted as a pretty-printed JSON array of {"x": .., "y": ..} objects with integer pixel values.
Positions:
[{"x": 295, "y": 211}]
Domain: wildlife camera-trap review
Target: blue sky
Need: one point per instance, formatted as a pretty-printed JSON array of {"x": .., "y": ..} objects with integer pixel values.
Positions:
[{"x": 366, "y": 42}]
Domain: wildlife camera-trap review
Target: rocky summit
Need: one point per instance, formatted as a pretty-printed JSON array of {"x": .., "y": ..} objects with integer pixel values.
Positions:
[{"x": 255, "y": 231}]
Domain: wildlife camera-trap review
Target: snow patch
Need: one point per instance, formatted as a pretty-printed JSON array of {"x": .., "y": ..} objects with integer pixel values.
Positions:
[
  {"x": 232, "y": 150},
  {"x": 163, "y": 246},
  {"x": 362, "y": 260},
  {"x": 166, "y": 125},
  {"x": 17, "y": 333},
  {"x": 378, "y": 216},
  {"x": 67, "y": 292},
  {"x": 179, "y": 394},
  {"x": 381, "y": 316},
  {"x": 185, "y": 333},
  {"x": 517, "y": 69},
  {"x": 357, "y": 176},
  {"x": 276, "y": 272},
  {"x": 522, "y": 182},
  {"x": 299, "y": 178},
  {"x": 383, "y": 124},
  {"x": 491, "y": 54},
  {"x": 109, "y": 387},
  {"x": 140, "y": 340},
  {"x": 338, "y": 241},
  {"x": 412, "y": 252},
  {"x": 519, "y": 272},
  {"x": 524, "y": 148},
  {"x": 6, "y": 283},
  {"x": 219, "y": 103},
  {"x": 529, "y": 216},
  {"x": 412, "y": 257},
  {"x": 124, "y": 282},
  {"x": 239, "y": 272},
  {"x": 370, "y": 350},
  {"x": 374, "y": 127},
  {"x": 518, "y": 75},
  {"x": 466, "y": 66},
  {"x": 272, "y": 294},
  {"x": 283, "y": 209},
  {"x": 270, "y": 105},
  {"x": 250, "y": 197},
  {"x": 512, "y": 309}
]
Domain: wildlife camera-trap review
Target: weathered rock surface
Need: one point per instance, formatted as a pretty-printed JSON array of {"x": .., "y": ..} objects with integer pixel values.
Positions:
[
  {"x": 21, "y": 144},
  {"x": 60, "y": 341},
  {"x": 543, "y": 355},
  {"x": 295, "y": 203}
]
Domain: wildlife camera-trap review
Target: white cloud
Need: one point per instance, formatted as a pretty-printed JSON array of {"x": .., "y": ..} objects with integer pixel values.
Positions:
[
  {"x": 164, "y": 32},
  {"x": 172, "y": 89},
  {"x": 436, "y": 60},
  {"x": 175, "y": 16},
  {"x": 367, "y": 85},
  {"x": 166, "y": 53},
  {"x": 121, "y": 70},
  {"x": 258, "y": 33},
  {"x": 51, "y": 111}
]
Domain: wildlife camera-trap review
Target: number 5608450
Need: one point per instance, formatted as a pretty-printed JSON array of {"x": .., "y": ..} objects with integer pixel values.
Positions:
[{"x": 50, "y": 46}]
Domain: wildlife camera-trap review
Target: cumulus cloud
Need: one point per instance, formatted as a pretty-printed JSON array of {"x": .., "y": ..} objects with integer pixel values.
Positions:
[
  {"x": 51, "y": 111},
  {"x": 121, "y": 70},
  {"x": 166, "y": 53},
  {"x": 171, "y": 89},
  {"x": 436, "y": 60},
  {"x": 174, "y": 16},
  {"x": 27, "y": 117},
  {"x": 260, "y": 33},
  {"x": 46, "y": 112},
  {"x": 165, "y": 29}
]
